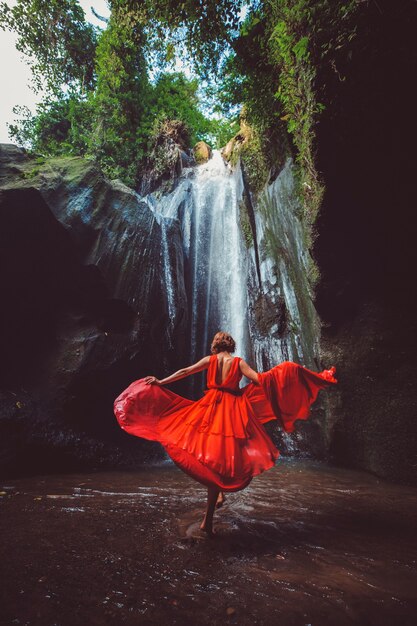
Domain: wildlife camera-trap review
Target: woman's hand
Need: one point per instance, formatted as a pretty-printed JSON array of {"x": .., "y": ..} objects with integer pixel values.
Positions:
[{"x": 151, "y": 380}]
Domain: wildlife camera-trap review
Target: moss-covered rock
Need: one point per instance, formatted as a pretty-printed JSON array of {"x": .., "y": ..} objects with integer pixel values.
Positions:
[
  {"x": 245, "y": 224},
  {"x": 170, "y": 144},
  {"x": 262, "y": 155},
  {"x": 202, "y": 152}
]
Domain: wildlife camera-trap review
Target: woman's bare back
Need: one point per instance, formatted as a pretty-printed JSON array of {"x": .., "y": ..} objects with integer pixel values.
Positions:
[{"x": 224, "y": 363}]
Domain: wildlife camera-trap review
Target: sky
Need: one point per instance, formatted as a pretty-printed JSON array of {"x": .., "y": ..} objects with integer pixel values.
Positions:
[{"x": 15, "y": 73}]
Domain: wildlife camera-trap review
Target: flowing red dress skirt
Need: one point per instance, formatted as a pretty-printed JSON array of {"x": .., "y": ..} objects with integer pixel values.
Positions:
[{"x": 220, "y": 440}]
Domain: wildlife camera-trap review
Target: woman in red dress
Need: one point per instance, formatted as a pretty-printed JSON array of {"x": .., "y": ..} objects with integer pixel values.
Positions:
[{"x": 220, "y": 440}]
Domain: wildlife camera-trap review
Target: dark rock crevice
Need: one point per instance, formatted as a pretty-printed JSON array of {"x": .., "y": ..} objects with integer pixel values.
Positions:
[
  {"x": 251, "y": 214},
  {"x": 366, "y": 246}
]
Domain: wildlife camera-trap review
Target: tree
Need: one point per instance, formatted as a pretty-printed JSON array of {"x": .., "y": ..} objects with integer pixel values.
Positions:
[
  {"x": 57, "y": 41},
  {"x": 121, "y": 99},
  {"x": 200, "y": 28},
  {"x": 98, "y": 98}
]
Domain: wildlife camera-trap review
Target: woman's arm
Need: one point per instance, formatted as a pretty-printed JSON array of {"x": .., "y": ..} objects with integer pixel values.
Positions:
[
  {"x": 248, "y": 372},
  {"x": 182, "y": 373}
]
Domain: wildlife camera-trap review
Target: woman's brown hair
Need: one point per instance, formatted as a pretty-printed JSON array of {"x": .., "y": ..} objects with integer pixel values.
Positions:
[{"x": 222, "y": 341}]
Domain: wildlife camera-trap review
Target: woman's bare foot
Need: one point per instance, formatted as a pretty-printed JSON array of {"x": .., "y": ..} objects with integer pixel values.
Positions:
[
  {"x": 207, "y": 528},
  {"x": 220, "y": 500}
]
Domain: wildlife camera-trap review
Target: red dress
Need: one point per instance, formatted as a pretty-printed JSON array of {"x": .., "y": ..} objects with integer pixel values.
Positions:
[{"x": 220, "y": 440}]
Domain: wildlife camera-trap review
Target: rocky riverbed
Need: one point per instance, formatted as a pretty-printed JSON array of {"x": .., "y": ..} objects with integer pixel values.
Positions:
[{"x": 303, "y": 544}]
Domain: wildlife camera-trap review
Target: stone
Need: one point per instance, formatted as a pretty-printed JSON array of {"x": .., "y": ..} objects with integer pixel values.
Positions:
[
  {"x": 202, "y": 152},
  {"x": 84, "y": 311}
]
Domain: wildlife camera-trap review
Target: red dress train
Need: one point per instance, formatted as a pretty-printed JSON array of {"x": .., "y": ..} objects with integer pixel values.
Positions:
[{"x": 220, "y": 440}]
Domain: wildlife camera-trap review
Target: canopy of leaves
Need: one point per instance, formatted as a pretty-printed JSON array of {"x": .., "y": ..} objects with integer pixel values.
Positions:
[
  {"x": 61, "y": 126},
  {"x": 99, "y": 100},
  {"x": 56, "y": 39},
  {"x": 201, "y": 29},
  {"x": 105, "y": 105}
]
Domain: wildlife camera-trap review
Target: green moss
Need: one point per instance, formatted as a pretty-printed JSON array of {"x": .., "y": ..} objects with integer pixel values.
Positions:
[
  {"x": 255, "y": 164},
  {"x": 313, "y": 274},
  {"x": 235, "y": 154},
  {"x": 245, "y": 223},
  {"x": 247, "y": 145},
  {"x": 286, "y": 50},
  {"x": 31, "y": 173}
]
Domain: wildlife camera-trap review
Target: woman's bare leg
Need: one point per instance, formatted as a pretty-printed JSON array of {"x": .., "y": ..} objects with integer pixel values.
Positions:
[
  {"x": 207, "y": 523},
  {"x": 220, "y": 500}
]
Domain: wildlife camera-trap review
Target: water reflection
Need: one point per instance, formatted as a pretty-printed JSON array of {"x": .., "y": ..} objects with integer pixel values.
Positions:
[{"x": 303, "y": 544}]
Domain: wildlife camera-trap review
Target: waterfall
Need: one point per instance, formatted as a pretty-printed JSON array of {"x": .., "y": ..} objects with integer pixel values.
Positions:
[
  {"x": 218, "y": 264},
  {"x": 245, "y": 264}
]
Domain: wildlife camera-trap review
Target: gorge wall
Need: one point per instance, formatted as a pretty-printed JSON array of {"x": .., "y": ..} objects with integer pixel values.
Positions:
[
  {"x": 83, "y": 312},
  {"x": 366, "y": 249},
  {"x": 102, "y": 286}
]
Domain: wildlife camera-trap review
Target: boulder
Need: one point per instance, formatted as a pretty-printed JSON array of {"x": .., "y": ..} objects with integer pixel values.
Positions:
[{"x": 202, "y": 152}]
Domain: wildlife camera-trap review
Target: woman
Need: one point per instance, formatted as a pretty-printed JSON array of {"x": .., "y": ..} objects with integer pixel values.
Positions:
[{"x": 220, "y": 440}]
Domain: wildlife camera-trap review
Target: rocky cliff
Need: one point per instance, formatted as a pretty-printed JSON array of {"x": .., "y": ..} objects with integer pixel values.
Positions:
[
  {"x": 95, "y": 282},
  {"x": 104, "y": 286},
  {"x": 366, "y": 247},
  {"x": 84, "y": 309}
]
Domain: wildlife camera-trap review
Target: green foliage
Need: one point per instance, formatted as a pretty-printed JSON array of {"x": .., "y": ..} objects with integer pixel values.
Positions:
[
  {"x": 118, "y": 119},
  {"x": 59, "y": 127},
  {"x": 175, "y": 97},
  {"x": 296, "y": 95},
  {"x": 56, "y": 40},
  {"x": 121, "y": 99},
  {"x": 255, "y": 163},
  {"x": 200, "y": 29},
  {"x": 273, "y": 71},
  {"x": 23, "y": 130},
  {"x": 222, "y": 130},
  {"x": 111, "y": 111}
]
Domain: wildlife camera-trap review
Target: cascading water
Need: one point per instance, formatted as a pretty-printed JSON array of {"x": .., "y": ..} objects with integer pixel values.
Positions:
[
  {"x": 217, "y": 261},
  {"x": 206, "y": 202},
  {"x": 245, "y": 274}
]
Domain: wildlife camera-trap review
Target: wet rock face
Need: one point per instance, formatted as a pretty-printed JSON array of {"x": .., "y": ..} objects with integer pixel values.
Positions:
[
  {"x": 84, "y": 310},
  {"x": 42, "y": 279},
  {"x": 372, "y": 414},
  {"x": 366, "y": 247},
  {"x": 270, "y": 316},
  {"x": 285, "y": 322}
]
